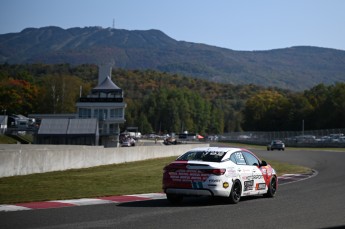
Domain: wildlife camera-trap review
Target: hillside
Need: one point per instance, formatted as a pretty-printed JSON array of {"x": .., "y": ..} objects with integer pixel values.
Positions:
[{"x": 295, "y": 68}]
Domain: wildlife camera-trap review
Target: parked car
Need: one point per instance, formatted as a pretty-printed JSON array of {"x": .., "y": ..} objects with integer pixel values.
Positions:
[
  {"x": 216, "y": 171},
  {"x": 170, "y": 141},
  {"x": 128, "y": 142},
  {"x": 276, "y": 144}
]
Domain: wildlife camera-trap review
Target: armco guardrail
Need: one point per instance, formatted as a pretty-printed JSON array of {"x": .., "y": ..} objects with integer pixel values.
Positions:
[
  {"x": 28, "y": 159},
  {"x": 312, "y": 138}
]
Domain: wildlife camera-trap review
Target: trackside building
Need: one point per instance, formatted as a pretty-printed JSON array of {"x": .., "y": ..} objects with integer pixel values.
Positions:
[{"x": 97, "y": 121}]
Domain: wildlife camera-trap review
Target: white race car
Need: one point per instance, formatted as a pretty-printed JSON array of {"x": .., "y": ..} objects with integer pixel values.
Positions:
[{"x": 218, "y": 171}]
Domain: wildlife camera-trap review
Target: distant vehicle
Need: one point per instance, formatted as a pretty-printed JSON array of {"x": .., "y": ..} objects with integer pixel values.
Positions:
[
  {"x": 276, "y": 144},
  {"x": 306, "y": 139},
  {"x": 212, "y": 138},
  {"x": 170, "y": 141},
  {"x": 128, "y": 142},
  {"x": 336, "y": 137},
  {"x": 135, "y": 135},
  {"x": 218, "y": 171},
  {"x": 187, "y": 136}
]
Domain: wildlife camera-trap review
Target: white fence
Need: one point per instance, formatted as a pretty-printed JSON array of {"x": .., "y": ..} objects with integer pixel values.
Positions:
[{"x": 28, "y": 159}]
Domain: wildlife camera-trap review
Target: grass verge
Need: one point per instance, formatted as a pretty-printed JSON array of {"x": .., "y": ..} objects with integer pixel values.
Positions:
[
  {"x": 6, "y": 140},
  {"x": 128, "y": 178}
]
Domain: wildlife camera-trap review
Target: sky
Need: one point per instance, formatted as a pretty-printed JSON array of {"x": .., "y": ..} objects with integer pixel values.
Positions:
[{"x": 234, "y": 24}]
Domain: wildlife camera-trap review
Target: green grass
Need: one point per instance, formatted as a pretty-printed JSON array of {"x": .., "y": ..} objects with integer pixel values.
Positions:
[
  {"x": 285, "y": 168},
  {"x": 128, "y": 178},
  {"x": 6, "y": 140}
]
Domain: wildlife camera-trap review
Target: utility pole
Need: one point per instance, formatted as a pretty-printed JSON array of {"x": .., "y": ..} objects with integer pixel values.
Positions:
[{"x": 303, "y": 127}]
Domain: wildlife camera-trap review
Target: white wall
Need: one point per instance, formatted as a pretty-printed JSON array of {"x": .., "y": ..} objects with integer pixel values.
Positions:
[{"x": 28, "y": 159}]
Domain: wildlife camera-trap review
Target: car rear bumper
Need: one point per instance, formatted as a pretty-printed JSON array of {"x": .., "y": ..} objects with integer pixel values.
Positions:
[{"x": 197, "y": 192}]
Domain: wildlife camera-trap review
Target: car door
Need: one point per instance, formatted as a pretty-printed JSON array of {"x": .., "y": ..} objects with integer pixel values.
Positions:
[
  {"x": 245, "y": 172},
  {"x": 259, "y": 185}
]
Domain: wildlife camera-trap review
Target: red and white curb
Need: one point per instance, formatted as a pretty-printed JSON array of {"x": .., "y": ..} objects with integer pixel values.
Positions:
[
  {"x": 285, "y": 179},
  {"x": 81, "y": 202},
  {"x": 291, "y": 178}
]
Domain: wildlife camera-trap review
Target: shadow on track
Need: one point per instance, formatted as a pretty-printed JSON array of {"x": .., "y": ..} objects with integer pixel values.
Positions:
[{"x": 188, "y": 202}]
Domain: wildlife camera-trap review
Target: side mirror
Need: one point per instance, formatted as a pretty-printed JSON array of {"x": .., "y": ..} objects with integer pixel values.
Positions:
[{"x": 263, "y": 163}]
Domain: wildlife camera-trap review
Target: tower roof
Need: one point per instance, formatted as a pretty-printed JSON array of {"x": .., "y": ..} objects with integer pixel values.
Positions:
[{"x": 107, "y": 86}]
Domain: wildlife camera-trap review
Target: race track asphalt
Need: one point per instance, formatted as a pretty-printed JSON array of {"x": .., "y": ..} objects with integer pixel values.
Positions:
[{"x": 318, "y": 202}]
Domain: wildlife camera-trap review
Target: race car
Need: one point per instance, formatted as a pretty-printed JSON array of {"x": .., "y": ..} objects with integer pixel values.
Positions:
[{"x": 218, "y": 171}]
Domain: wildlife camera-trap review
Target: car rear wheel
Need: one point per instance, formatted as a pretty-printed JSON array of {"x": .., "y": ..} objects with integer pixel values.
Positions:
[
  {"x": 272, "y": 188},
  {"x": 235, "y": 194},
  {"x": 175, "y": 198}
]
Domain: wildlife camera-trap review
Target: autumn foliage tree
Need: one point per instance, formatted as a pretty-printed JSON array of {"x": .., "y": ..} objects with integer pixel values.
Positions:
[
  {"x": 321, "y": 107},
  {"x": 161, "y": 102},
  {"x": 59, "y": 93},
  {"x": 18, "y": 96},
  {"x": 266, "y": 110}
]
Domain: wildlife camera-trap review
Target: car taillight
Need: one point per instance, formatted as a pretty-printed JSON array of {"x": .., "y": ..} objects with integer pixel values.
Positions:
[{"x": 217, "y": 172}]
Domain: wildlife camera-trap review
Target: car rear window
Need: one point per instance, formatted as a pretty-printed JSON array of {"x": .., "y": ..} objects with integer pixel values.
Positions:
[{"x": 211, "y": 156}]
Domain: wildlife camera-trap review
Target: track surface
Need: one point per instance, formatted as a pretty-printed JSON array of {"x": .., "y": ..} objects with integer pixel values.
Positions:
[{"x": 318, "y": 202}]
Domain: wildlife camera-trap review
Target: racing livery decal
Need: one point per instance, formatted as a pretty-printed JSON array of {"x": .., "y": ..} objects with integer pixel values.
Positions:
[
  {"x": 248, "y": 185},
  {"x": 179, "y": 176},
  {"x": 267, "y": 173}
]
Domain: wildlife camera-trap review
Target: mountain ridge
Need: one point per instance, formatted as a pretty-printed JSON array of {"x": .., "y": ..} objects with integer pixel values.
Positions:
[{"x": 295, "y": 68}]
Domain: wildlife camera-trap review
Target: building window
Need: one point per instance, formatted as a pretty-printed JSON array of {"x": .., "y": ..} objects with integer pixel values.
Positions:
[
  {"x": 116, "y": 113},
  {"x": 113, "y": 129},
  {"x": 101, "y": 114},
  {"x": 84, "y": 113},
  {"x": 103, "y": 129}
]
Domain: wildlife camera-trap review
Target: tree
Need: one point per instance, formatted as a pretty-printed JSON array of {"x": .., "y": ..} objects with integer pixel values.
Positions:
[
  {"x": 300, "y": 109},
  {"x": 336, "y": 101},
  {"x": 59, "y": 93},
  {"x": 267, "y": 111},
  {"x": 18, "y": 96},
  {"x": 216, "y": 125}
]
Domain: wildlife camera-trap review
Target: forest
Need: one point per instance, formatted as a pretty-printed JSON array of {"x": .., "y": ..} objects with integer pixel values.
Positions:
[{"x": 163, "y": 103}]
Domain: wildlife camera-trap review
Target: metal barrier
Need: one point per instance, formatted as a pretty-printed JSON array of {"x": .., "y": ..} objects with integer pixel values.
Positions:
[{"x": 313, "y": 138}]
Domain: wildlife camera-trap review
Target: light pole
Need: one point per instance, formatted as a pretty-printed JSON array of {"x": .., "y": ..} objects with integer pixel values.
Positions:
[{"x": 303, "y": 127}]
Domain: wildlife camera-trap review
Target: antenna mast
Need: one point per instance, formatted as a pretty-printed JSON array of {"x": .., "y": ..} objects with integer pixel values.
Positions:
[{"x": 113, "y": 23}]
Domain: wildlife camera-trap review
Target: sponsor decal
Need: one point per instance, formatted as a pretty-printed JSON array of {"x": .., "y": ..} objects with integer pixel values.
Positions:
[
  {"x": 253, "y": 177},
  {"x": 217, "y": 153},
  {"x": 247, "y": 194},
  {"x": 213, "y": 180},
  {"x": 226, "y": 185},
  {"x": 230, "y": 172},
  {"x": 260, "y": 186},
  {"x": 188, "y": 176},
  {"x": 248, "y": 185}
]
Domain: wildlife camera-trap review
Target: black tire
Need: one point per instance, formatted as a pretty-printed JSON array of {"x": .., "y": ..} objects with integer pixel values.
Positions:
[
  {"x": 272, "y": 188},
  {"x": 175, "y": 198},
  {"x": 235, "y": 194}
]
